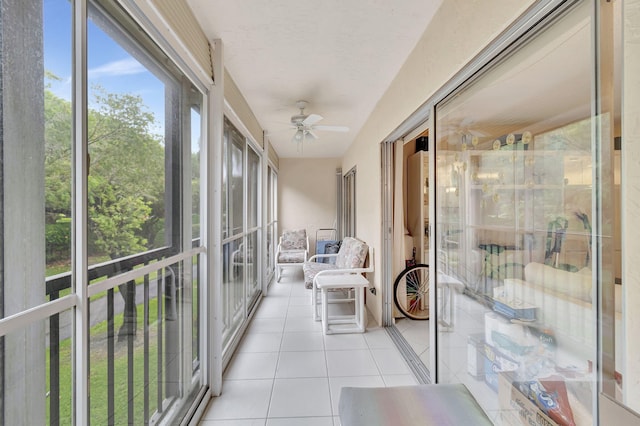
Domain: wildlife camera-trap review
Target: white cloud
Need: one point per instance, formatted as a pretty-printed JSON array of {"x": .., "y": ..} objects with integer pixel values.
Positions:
[{"x": 117, "y": 68}]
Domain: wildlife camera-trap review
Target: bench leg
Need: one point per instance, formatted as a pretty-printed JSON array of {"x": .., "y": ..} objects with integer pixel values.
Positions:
[
  {"x": 314, "y": 302},
  {"x": 359, "y": 308},
  {"x": 350, "y": 323},
  {"x": 325, "y": 311}
]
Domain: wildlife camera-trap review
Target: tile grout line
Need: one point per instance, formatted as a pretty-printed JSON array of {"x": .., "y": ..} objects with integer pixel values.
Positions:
[
  {"x": 326, "y": 364},
  {"x": 275, "y": 372},
  {"x": 375, "y": 361}
]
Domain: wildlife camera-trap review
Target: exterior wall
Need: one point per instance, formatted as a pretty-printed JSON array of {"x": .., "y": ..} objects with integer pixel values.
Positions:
[
  {"x": 273, "y": 156},
  {"x": 459, "y": 31},
  {"x": 307, "y": 195},
  {"x": 181, "y": 19},
  {"x": 172, "y": 25}
]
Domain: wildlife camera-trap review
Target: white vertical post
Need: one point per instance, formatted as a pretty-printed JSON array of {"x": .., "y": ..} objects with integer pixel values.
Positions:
[
  {"x": 386, "y": 149},
  {"x": 433, "y": 270},
  {"x": 264, "y": 269},
  {"x": 215, "y": 119},
  {"x": 80, "y": 215},
  {"x": 186, "y": 310},
  {"x": 22, "y": 206}
]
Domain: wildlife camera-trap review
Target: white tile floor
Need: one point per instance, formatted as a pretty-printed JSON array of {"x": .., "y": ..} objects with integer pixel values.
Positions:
[{"x": 286, "y": 372}]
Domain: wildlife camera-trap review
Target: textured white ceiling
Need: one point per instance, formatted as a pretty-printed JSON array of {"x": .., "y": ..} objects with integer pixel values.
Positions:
[{"x": 339, "y": 55}]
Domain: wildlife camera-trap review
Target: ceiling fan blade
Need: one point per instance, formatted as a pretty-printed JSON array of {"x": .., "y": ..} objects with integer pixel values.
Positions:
[
  {"x": 332, "y": 128},
  {"x": 311, "y": 135},
  {"x": 311, "y": 119}
]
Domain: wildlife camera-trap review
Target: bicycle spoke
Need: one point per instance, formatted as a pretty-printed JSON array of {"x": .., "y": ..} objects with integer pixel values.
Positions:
[{"x": 411, "y": 292}]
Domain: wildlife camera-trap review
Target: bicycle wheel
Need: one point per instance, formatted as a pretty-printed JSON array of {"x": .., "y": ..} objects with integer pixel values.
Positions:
[{"x": 411, "y": 292}]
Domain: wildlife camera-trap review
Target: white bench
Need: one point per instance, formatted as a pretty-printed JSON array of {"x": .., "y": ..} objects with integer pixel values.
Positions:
[{"x": 354, "y": 284}]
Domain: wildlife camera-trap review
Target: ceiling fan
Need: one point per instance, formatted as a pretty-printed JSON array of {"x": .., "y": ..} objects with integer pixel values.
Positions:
[{"x": 306, "y": 124}]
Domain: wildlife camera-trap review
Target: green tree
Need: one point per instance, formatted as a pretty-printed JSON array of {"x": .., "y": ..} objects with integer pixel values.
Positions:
[
  {"x": 195, "y": 193},
  {"x": 116, "y": 219},
  {"x": 58, "y": 128},
  {"x": 127, "y": 162},
  {"x": 126, "y": 173},
  {"x": 122, "y": 148}
]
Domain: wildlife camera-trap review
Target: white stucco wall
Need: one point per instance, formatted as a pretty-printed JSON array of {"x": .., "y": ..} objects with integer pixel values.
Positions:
[
  {"x": 307, "y": 194},
  {"x": 460, "y": 30}
]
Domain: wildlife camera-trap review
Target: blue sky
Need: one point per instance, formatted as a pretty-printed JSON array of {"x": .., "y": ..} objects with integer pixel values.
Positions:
[{"x": 109, "y": 65}]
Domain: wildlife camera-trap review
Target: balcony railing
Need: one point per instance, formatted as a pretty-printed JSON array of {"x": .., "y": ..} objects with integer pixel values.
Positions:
[{"x": 147, "y": 349}]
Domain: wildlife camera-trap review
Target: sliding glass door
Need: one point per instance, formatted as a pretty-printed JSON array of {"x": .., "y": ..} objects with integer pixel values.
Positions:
[{"x": 529, "y": 226}]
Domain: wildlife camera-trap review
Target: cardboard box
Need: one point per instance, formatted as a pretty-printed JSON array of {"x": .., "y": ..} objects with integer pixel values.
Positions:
[
  {"x": 513, "y": 308},
  {"x": 496, "y": 362},
  {"x": 516, "y": 408}
]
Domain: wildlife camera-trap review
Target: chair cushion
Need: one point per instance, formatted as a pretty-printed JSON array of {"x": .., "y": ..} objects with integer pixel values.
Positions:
[
  {"x": 345, "y": 247},
  {"x": 291, "y": 257},
  {"x": 294, "y": 240},
  {"x": 311, "y": 269},
  {"x": 352, "y": 254}
]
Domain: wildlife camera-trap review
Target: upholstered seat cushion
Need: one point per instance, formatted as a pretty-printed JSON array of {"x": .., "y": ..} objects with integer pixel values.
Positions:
[
  {"x": 352, "y": 254},
  {"x": 295, "y": 239},
  {"x": 291, "y": 257},
  {"x": 312, "y": 268}
]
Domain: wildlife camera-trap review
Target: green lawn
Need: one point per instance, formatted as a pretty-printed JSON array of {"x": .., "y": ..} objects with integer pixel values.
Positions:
[
  {"x": 98, "y": 377},
  {"x": 98, "y": 373}
]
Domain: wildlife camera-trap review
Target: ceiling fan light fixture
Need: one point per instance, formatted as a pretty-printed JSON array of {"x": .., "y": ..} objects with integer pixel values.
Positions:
[
  {"x": 305, "y": 126},
  {"x": 310, "y": 135}
]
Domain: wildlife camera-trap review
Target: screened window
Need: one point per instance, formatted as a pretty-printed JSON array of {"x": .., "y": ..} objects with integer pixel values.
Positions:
[
  {"x": 143, "y": 132},
  {"x": 232, "y": 181},
  {"x": 253, "y": 176},
  {"x": 241, "y": 228},
  {"x": 142, "y": 114}
]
